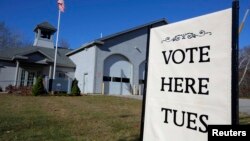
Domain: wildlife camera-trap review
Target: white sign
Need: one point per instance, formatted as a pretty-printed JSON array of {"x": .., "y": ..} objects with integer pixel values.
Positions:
[{"x": 189, "y": 78}]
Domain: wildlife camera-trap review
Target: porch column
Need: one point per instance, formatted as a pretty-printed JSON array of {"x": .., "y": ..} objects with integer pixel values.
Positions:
[
  {"x": 16, "y": 75},
  {"x": 50, "y": 71}
]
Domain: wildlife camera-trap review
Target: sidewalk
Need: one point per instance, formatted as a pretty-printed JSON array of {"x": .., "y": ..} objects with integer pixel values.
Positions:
[{"x": 244, "y": 106}]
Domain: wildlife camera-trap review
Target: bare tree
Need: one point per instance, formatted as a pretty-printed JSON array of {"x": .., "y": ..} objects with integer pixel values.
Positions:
[
  {"x": 4, "y": 35},
  {"x": 244, "y": 80},
  {"x": 63, "y": 43},
  {"x": 247, "y": 58},
  {"x": 9, "y": 38}
]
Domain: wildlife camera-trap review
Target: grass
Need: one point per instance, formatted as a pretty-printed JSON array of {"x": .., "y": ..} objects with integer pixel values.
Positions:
[
  {"x": 244, "y": 118},
  {"x": 85, "y": 118},
  {"x": 90, "y": 118}
]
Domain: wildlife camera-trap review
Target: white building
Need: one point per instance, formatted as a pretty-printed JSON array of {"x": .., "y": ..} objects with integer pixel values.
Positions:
[{"x": 114, "y": 64}]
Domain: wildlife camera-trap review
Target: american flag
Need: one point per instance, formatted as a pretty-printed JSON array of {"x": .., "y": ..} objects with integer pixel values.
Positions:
[{"x": 61, "y": 5}]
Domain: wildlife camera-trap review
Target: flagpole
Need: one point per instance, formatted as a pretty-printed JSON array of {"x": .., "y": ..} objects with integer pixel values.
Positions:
[
  {"x": 57, "y": 35},
  {"x": 243, "y": 21}
]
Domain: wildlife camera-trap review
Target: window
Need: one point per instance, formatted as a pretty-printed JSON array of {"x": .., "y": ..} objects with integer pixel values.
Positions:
[
  {"x": 141, "y": 81},
  {"x": 30, "y": 79},
  {"x": 22, "y": 78},
  {"x": 106, "y": 78},
  {"x": 61, "y": 75},
  {"x": 45, "y": 34},
  {"x": 125, "y": 80},
  {"x": 116, "y": 79}
]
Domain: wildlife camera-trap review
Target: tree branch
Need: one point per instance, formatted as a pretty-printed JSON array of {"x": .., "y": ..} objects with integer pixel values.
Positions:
[{"x": 244, "y": 71}]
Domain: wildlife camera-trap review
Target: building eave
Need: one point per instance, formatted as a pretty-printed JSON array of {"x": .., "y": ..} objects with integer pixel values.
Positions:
[
  {"x": 16, "y": 57},
  {"x": 93, "y": 43}
]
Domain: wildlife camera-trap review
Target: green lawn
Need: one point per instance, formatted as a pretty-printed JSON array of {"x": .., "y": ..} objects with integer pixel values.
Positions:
[
  {"x": 90, "y": 118},
  {"x": 95, "y": 118},
  {"x": 244, "y": 118}
]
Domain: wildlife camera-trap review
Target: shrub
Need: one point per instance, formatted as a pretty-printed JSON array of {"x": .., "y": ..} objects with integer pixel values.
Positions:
[
  {"x": 22, "y": 90},
  {"x": 75, "y": 89},
  {"x": 10, "y": 89},
  {"x": 25, "y": 90},
  {"x": 1, "y": 89},
  {"x": 38, "y": 88}
]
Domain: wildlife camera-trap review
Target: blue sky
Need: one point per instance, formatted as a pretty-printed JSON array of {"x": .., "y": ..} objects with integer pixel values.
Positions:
[{"x": 85, "y": 20}]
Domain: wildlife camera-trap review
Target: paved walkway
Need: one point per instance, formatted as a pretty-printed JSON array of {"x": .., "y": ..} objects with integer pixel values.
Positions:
[{"x": 244, "y": 104}]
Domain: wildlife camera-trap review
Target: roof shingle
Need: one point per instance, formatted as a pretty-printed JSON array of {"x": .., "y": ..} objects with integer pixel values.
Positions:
[{"x": 62, "y": 59}]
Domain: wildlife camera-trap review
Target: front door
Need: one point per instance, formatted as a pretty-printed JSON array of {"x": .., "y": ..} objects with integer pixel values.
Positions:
[
  {"x": 31, "y": 76},
  {"x": 27, "y": 78}
]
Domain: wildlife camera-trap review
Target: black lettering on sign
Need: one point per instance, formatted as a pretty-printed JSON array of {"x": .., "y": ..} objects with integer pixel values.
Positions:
[
  {"x": 165, "y": 57},
  {"x": 185, "y": 85},
  {"x": 180, "y": 53},
  {"x": 169, "y": 84},
  {"x": 203, "y": 82},
  {"x": 166, "y": 114},
  {"x": 186, "y": 119},
  {"x": 178, "y": 85},
  {"x": 178, "y": 56},
  {"x": 191, "y": 120},
  {"x": 191, "y": 53},
  {"x": 204, "y": 130},
  {"x": 182, "y": 120},
  {"x": 204, "y": 53},
  {"x": 190, "y": 85}
]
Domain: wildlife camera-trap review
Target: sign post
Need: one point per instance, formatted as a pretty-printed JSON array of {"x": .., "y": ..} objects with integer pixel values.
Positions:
[
  {"x": 235, "y": 61},
  {"x": 192, "y": 77}
]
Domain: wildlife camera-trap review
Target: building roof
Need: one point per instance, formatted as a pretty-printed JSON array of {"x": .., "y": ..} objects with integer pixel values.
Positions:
[
  {"x": 10, "y": 54},
  {"x": 90, "y": 44},
  {"x": 103, "y": 39},
  {"x": 45, "y": 25}
]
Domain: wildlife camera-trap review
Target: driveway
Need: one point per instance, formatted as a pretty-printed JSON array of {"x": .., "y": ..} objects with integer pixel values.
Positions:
[{"x": 244, "y": 106}]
